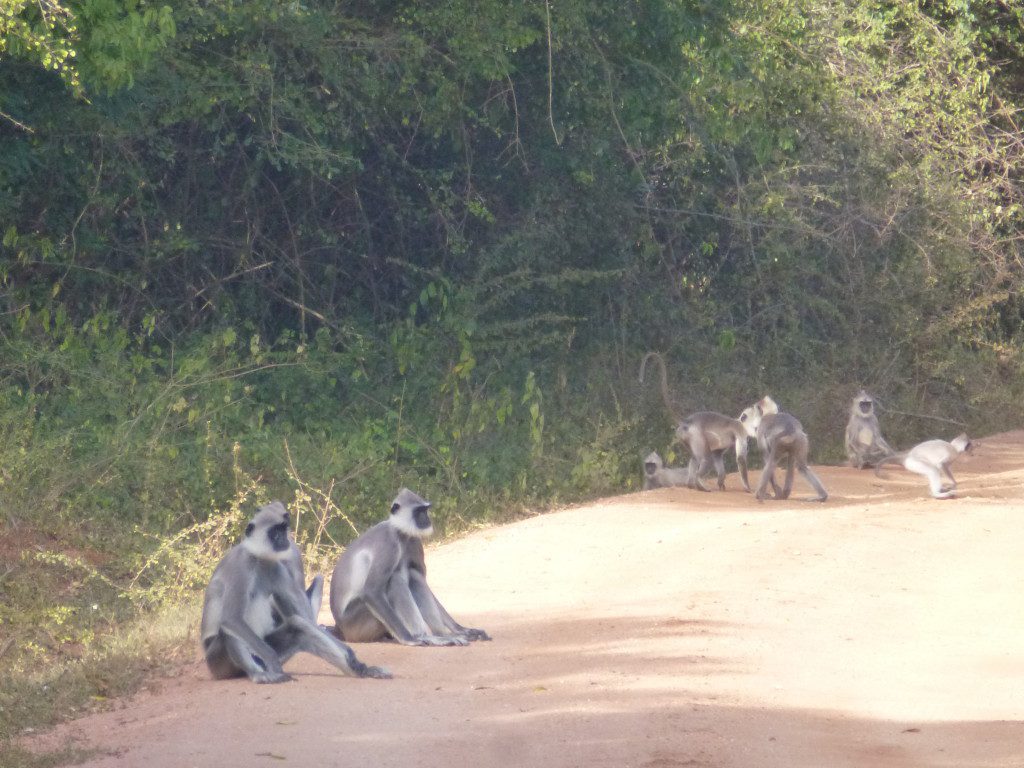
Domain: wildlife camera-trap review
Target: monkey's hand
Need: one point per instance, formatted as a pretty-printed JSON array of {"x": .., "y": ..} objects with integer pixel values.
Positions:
[
  {"x": 377, "y": 673},
  {"x": 476, "y": 634}
]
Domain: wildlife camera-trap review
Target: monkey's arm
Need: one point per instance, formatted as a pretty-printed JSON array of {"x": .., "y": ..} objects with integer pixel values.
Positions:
[
  {"x": 401, "y": 610},
  {"x": 434, "y": 614}
]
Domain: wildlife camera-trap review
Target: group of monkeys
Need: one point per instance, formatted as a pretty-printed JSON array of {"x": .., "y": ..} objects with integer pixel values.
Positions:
[
  {"x": 782, "y": 441},
  {"x": 258, "y": 611}
]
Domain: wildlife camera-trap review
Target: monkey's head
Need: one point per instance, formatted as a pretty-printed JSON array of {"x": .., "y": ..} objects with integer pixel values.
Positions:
[
  {"x": 863, "y": 404},
  {"x": 410, "y": 514},
  {"x": 751, "y": 417},
  {"x": 652, "y": 464},
  {"x": 266, "y": 535},
  {"x": 963, "y": 443}
]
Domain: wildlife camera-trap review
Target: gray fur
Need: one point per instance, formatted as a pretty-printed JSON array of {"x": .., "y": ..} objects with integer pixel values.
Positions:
[
  {"x": 657, "y": 475},
  {"x": 256, "y": 613},
  {"x": 865, "y": 445},
  {"x": 782, "y": 438},
  {"x": 932, "y": 459},
  {"x": 379, "y": 586}
]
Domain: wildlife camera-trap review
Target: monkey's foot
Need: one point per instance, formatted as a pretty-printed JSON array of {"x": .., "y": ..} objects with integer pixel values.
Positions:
[
  {"x": 437, "y": 641},
  {"x": 271, "y": 677},
  {"x": 476, "y": 634}
]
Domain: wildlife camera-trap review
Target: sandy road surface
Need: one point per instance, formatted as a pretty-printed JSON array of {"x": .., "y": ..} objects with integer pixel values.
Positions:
[{"x": 667, "y": 628}]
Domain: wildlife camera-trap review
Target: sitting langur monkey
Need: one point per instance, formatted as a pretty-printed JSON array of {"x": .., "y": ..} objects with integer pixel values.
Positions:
[
  {"x": 256, "y": 614},
  {"x": 781, "y": 438},
  {"x": 379, "y": 586},
  {"x": 707, "y": 434},
  {"x": 865, "y": 445},
  {"x": 657, "y": 475},
  {"x": 932, "y": 459}
]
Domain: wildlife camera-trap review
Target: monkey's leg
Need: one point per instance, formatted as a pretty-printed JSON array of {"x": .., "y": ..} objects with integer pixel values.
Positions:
[
  {"x": 315, "y": 593},
  {"x": 787, "y": 487},
  {"x": 408, "y": 610},
  {"x": 219, "y": 660},
  {"x": 358, "y": 624},
  {"x": 741, "y": 464},
  {"x": 437, "y": 618},
  {"x": 767, "y": 475},
  {"x": 249, "y": 653},
  {"x": 949, "y": 474},
  {"x": 930, "y": 472},
  {"x": 702, "y": 468},
  {"x": 719, "y": 459},
  {"x": 299, "y": 634},
  {"x": 691, "y": 480},
  {"x": 812, "y": 478}
]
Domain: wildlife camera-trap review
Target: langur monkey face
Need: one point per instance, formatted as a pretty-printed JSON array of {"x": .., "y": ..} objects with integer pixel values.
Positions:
[
  {"x": 865, "y": 403},
  {"x": 411, "y": 514},
  {"x": 751, "y": 417},
  {"x": 266, "y": 535}
]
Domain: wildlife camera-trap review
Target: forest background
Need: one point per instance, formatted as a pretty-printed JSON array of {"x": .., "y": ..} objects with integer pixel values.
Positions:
[{"x": 316, "y": 251}]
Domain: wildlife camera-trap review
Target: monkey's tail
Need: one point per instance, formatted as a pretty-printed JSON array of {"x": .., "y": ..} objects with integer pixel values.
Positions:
[
  {"x": 664, "y": 380},
  {"x": 896, "y": 458}
]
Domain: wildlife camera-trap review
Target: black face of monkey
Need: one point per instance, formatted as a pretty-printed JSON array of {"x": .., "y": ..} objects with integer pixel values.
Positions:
[
  {"x": 421, "y": 516},
  {"x": 650, "y": 467}
]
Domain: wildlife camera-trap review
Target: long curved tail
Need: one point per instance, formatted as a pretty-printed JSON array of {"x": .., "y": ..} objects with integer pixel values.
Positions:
[
  {"x": 896, "y": 458},
  {"x": 664, "y": 381}
]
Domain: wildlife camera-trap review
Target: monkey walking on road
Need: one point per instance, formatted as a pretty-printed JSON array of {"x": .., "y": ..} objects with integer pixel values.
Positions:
[{"x": 781, "y": 438}]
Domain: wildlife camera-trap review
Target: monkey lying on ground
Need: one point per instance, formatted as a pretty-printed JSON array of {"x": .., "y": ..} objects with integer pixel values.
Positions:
[
  {"x": 256, "y": 615},
  {"x": 931, "y": 458},
  {"x": 379, "y": 586},
  {"x": 780, "y": 437},
  {"x": 865, "y": 445},
  {"x": 657, "y": 475}
]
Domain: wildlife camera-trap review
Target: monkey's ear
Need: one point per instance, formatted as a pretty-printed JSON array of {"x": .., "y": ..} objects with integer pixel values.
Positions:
[
  {"x": 249, "y": 529},
  {"x": 395, "y": 507}
]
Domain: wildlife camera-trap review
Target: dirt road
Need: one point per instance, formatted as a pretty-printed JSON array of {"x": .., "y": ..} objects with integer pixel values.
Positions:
[{"x": 669, "y": 628}]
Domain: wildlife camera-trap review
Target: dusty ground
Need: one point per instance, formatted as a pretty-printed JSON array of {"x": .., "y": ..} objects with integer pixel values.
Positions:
[{"x": 669, "y": 628}]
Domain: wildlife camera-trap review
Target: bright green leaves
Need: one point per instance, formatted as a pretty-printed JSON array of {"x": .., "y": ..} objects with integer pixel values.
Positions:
[
  {"x": 45, "y": 32},
  {"x": 90, "y": 44}
]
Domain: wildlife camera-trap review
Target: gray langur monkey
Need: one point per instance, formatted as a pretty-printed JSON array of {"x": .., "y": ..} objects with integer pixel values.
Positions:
[
  {"x": 379, "y": 586},
  {"x": 657, "y": 475},
  {"x": 706, "y": 433},
  {"x": 932, "y": 459},
  {"x": 256, "y": 614},
  {"x": 781, "y": 438},
  {"x": 865, "y": 445}
]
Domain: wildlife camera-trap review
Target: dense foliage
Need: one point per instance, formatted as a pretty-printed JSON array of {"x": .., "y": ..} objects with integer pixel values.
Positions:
[{"x": 335, "y": 248}]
